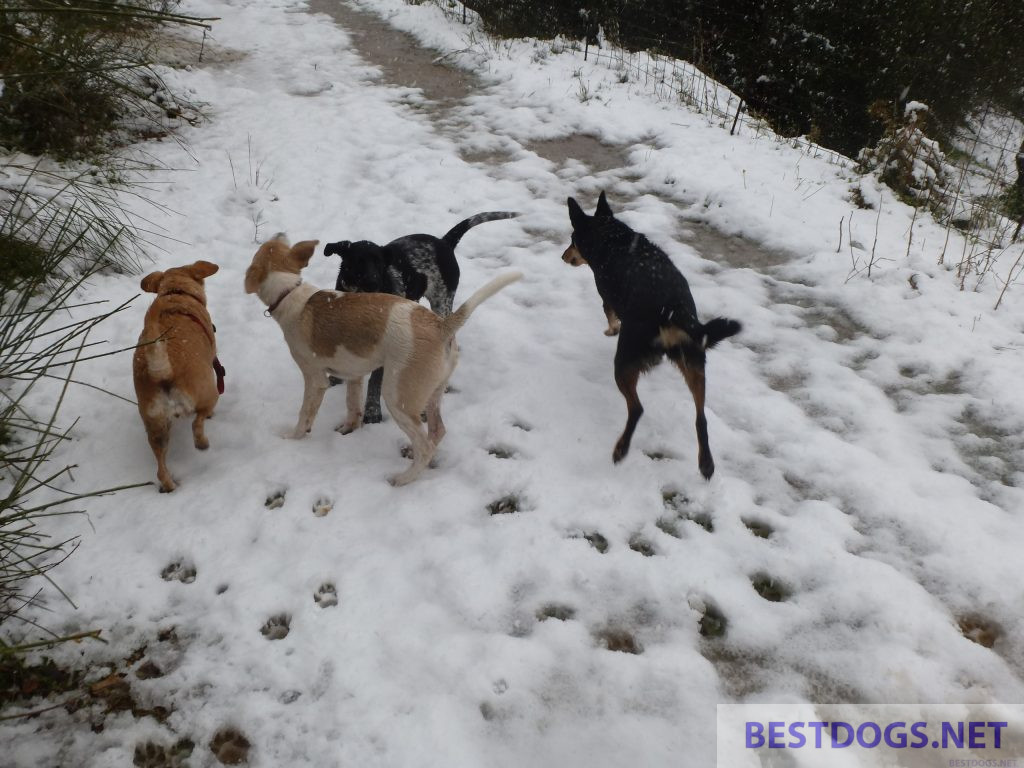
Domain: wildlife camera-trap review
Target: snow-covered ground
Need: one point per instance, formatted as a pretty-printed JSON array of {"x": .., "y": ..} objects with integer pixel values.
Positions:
[{"x": 867, "y": 439}]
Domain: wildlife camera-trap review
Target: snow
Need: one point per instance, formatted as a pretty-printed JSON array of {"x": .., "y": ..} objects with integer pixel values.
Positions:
[{"x": 868, "y": 423}]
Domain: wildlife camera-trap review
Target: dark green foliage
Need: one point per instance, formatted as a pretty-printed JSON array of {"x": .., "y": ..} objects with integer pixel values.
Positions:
[
  {"x": 813, "y": 66},
  {"x": 19, "y": 261},
  {"x": 73, "y": 72}
]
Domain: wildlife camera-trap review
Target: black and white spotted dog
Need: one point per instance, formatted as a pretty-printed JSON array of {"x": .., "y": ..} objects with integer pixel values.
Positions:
[{"x": 414, "y": 266}]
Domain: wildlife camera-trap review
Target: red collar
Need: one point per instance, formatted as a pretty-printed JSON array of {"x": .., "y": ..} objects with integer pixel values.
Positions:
[
  {"x": 202, "y": 325},
  {"x": 217, "y": 367},
  {"x": 270, "y": 310}
]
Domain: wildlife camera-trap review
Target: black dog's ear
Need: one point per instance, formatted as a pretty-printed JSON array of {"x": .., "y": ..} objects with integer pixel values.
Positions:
[
  {"x": 576, "y": 215},
  {"x": 603, "y": 209},
  {"x": 337, "y": 249}
]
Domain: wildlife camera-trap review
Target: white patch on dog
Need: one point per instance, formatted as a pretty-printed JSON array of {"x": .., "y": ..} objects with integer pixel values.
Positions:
[{"x": 158, "y": 363}]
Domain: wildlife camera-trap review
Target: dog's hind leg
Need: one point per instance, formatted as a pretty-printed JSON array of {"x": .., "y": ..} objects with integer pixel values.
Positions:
[
  {"x": 371, "y": 412},
  {"x": 435, "y": 425},
  {"x": 632, "y": 357},
  {"x": 626, "y": 377},
  {"x": 158, "y": 430},
  {"x": 406, "y": 394},
  {"x": 422, "y": 448},
  {"x": 206, "y": 401},
  {"x": 692, "y": 367},
  {"x": 198, "y": 434}
]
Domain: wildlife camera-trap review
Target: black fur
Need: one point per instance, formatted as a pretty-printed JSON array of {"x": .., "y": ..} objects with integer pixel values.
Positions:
[
  {"x": 653, "y": 302},
  {"x": 413, "y": 266}
]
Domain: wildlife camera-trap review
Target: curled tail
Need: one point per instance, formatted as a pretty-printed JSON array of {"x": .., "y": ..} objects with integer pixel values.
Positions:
[
  {"x": 455, "y": 233},
  {"x": 718, "y": 329},
  {"x": 458, "y": 318}
]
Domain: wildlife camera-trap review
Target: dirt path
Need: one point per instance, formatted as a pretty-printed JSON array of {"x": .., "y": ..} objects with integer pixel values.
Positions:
[{"x": 797, "y": 307}]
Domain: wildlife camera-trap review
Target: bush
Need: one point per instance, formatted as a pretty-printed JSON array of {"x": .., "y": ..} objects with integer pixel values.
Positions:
[
  {"x": 71, "y": 75},
  {"x": 813, "y": 66},
  {"x": 34, "y": 350}
]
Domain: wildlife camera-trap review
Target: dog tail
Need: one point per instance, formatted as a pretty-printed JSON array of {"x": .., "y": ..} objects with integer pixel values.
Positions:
[
  {"x": 718, "y": 329},
  {"x": 680, "y": 328},
  {"x": 458, "y": 318},
  {"x": 158, "y": 364},
  {"x": 455, "y": 233}
]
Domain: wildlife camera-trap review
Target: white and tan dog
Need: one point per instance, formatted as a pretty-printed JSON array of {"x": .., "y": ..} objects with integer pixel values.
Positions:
[
  {"x": 175, "y": 366},
  {"x": 349, "y": 335}
]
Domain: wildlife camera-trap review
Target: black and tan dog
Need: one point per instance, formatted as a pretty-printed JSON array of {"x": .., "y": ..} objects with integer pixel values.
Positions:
[
  {"x": 413, "y": 266},
  {"x": 348, "y": 335},
  {"x": 641, "y": 286}
]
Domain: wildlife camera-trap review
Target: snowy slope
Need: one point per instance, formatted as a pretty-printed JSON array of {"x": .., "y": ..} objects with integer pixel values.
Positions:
[{"x": 865, "y": 429}]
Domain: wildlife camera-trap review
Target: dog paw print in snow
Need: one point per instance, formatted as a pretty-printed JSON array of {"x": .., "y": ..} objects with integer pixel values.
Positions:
[
  {"x": 326, "y": 595},
  {"x": 597, "y": 541},
  {"x": 557, "y": 611},
  {"x": 230, "y": 746},
  {"x": 275, "y": 500},
  {"x": 502, "y": 452},
  {"x": 179, "y": 570},
  {"x": 618, "y": 639},
  {"x": 771, "y": 589},
  {"x": 276, "y": 627},
  {"x": 640, "y": 544},
  {"x": 759, "y": 528},
  {"x": 322, "y": 506},
  {"x": 506, "y": 505},
  {"x": 153, "y": 755}
]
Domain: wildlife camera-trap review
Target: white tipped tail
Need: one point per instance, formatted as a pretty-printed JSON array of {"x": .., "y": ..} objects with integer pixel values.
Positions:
[{"x": 458, "y": 318}]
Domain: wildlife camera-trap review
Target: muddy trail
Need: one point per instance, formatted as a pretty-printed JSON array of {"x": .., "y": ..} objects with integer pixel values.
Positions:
[
  {"x": 443, "y": 98},
  {"x": 404, "y": 62}
]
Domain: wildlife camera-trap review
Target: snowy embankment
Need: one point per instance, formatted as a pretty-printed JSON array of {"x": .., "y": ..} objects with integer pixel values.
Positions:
[{"x": 867, "y": 440}]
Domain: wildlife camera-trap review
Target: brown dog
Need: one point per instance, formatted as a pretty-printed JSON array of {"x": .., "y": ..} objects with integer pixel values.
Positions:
[
  {"x": 174, "y": 363},
  {"x": 349, "y": 335}
]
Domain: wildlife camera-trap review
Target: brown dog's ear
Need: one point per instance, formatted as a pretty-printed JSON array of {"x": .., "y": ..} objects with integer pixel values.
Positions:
[
  {"x": 151, "y": 282},
  {"x": 254, "y": 276},
  {"x": 576, "y": 215},
  {"x": 303, "y": 252},
  {"x": 203, "y": 269},
  {"x": 603, "y": 209}
]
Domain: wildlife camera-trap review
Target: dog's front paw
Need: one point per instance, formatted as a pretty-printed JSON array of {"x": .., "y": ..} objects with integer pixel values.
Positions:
[
  {"x": 404, "y": 478},
  {"x": 621, "y": 449},
  {"x": 611, "y": 331},
  {"x": 297, "y": 434},
  {"x": 707, "y": 466},
  {"x": 348, "y": 427}
]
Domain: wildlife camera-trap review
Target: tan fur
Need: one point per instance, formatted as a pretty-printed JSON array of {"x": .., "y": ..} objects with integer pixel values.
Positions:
[
  {"x": 173, "y": 365},
  {"x": 674, "y": 337},
  {"x": 573, "y": 257},
  {"x": 355, "y": 325},
  {"x": 349, "y": 335}
]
